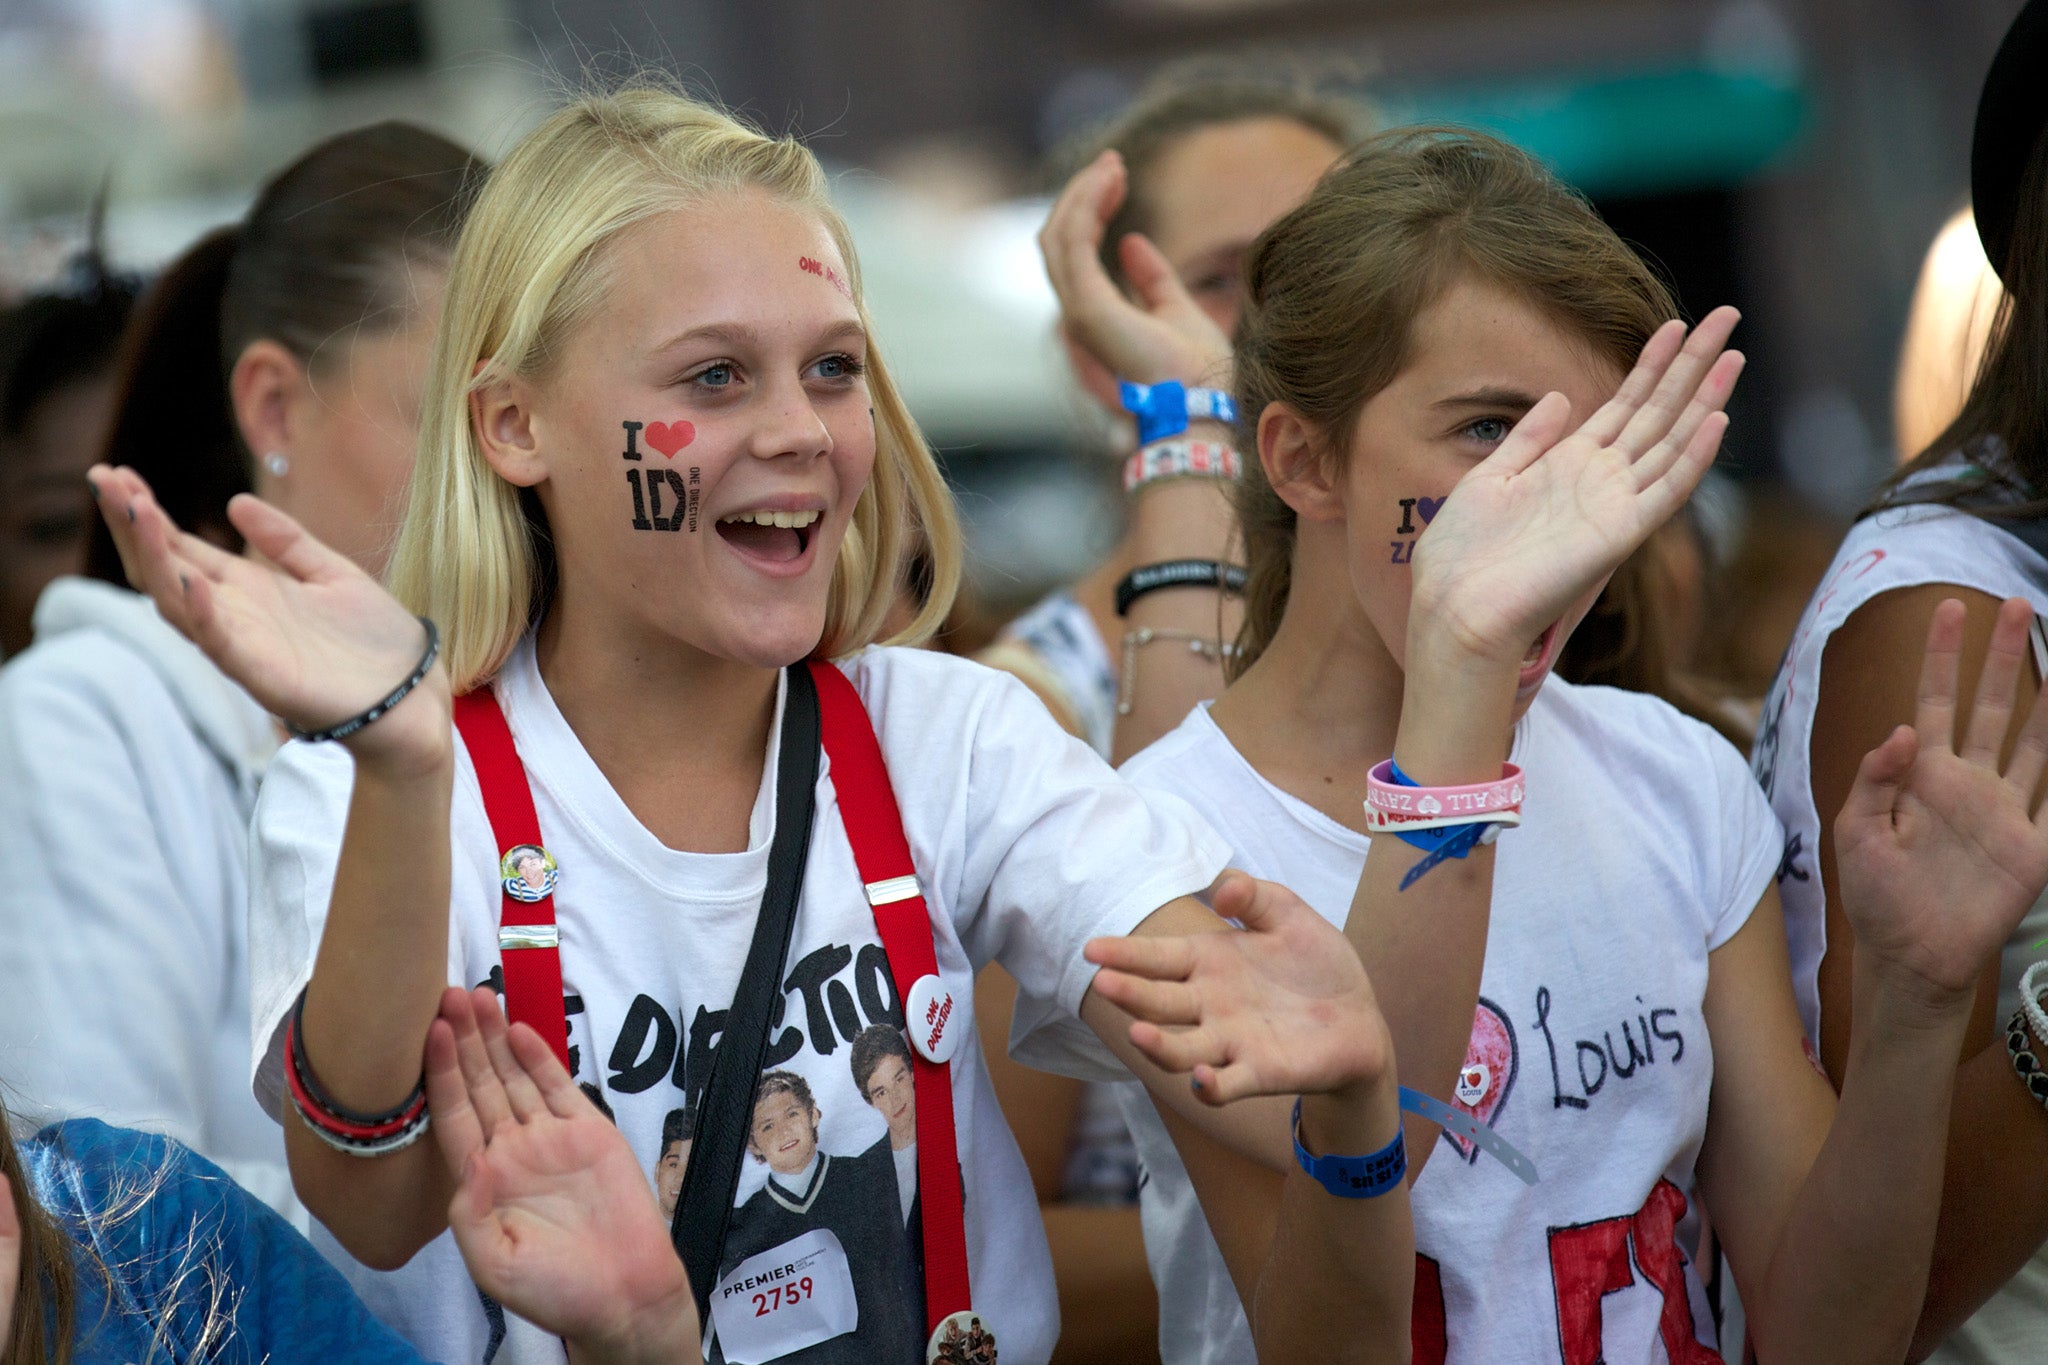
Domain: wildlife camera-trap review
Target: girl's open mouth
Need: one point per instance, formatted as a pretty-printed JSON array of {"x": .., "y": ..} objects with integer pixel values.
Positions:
[{"x": 769, "y": 538}]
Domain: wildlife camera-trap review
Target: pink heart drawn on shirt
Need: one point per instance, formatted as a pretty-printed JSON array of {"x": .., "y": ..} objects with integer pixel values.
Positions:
[
  {"x": 1428, "y": 507},
  {"x": 669, "y": 437},
  {"x": 1489, "y": 1071}
]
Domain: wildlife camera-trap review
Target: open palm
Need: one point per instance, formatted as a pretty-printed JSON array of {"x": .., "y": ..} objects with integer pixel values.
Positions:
[
  {"x": 1281, "y": 1007},
  {"x": 1939, "y": 852},
  {"x": 1544, "y": 519},
  {"x": 552, "y": 1213},
  {"x": 303, "y": 629}
]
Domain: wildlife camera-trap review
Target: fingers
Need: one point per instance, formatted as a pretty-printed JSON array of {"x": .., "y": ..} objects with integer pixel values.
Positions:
[
  {"x": 1875, "y": 793},
  {"x": 479, "y": 1077},
  {"x": 558, "y": 1089},
  {"x": 458, "y": 1132},
  {"x": 1179, "y": 1050},
  {"x": 1658, "y": 501},
  {"x": 2030, "y": 753},
  {"x": 1709, "y": 400},
  {"x": 1606, "y": 425},
  {"x": 1934, "y": 713},
  {"x": 521, "y": 1093},
  {"x": 1072, "y": 235},
  {"x": 1157, "y": 1002},
  {"x": 1541, "y": 427},
  {"x": 1991, "y": 713},
  {"x": 106, "y": 492},
  {"x": 279, "y": 538},
  {"x": 1680, "y": 381},
  {"x": 1161, "y": 959}
]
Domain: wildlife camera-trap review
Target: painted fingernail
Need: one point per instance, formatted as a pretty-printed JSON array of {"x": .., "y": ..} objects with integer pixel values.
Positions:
[
  {"x": 131, "y": 511},
  {"x": 184, "y": 584}
]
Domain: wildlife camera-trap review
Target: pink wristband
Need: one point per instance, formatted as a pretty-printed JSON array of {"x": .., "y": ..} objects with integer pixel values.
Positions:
[
  {"x": 1391, "y": 808},
  {"x": 1180, "y": 459}
]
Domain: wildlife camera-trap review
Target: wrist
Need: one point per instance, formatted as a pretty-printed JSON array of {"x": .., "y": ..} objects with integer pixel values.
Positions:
[
  {"x": 413, "y": 742},
  {"x": 1353, "y": 1119},
  {"x": 660, "y": 1334}
]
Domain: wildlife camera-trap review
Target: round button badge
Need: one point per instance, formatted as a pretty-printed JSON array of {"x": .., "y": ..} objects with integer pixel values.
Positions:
[
  {"x": 930, "y": 1016},
  {"x": 962, "y": 1338},
  {"x": 528, "y": 872}
]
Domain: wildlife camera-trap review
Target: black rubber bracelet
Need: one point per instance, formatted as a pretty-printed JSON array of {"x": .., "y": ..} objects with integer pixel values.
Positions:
[
  {"x": 297, "y": 1061},
  {"x": 398, "y": 694},
  {"x": 1177, "y": 573}
]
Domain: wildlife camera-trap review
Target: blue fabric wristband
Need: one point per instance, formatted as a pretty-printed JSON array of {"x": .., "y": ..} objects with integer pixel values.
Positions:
[
  {"x": 1163, "y": 409},
  {"x": 1354, "y": 1177}
]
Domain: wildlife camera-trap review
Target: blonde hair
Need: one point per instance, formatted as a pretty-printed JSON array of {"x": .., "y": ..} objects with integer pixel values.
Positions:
[{"x": 473, "y": 552}]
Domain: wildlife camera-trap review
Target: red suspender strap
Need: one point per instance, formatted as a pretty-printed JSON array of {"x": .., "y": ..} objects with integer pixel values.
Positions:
[
  {"x": 874, "y": 826},
  {"x": 528, "y": 942}
]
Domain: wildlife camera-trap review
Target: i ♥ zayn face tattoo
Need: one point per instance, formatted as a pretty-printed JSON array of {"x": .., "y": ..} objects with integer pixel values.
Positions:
[{"x": 1412, "y": 510}]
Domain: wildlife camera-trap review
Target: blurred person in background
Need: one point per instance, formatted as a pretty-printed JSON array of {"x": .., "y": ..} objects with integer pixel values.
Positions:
[
  {"x": 1946, "y": 328},
  {"x": 56, "y": 391},
  {"x": 282, "y": 354},
  {"x": 1967, "y": 518},
  {"x": 1210, "y": 160}
]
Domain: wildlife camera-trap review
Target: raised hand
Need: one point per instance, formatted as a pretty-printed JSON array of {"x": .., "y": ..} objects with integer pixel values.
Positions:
[
  {"x": 552, "y": 1212},
  {"x": 1542, "y": 521},
  {"x": 304, "y": 630},
  {"x": 1165, "y": 335},
  {"x": 1280, "y": 1007},
  {"x": 1939, "y": 850}
]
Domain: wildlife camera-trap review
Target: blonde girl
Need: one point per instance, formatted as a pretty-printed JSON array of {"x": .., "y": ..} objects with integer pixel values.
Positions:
[{"x": 661, "y": 461}]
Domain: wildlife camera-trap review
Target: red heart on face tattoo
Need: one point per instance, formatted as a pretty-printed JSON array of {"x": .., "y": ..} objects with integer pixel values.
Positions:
[{"x": 669, "y": 437}]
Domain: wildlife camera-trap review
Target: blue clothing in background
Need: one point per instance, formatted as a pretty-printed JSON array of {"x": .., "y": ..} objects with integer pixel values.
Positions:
[{"x": 196, "y": 1269}]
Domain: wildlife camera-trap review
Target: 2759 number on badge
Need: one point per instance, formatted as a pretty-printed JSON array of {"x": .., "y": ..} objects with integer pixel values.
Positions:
[{"x": 785, "y": 1299}]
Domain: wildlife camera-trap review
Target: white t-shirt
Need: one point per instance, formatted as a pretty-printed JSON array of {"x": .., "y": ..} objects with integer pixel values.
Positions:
[
  {"x": 1644, "y": 845},
  {"x": 1899, "y": 548},
  {"x": 1026, "y": 845},
  {"x": 128, "y": 771}
]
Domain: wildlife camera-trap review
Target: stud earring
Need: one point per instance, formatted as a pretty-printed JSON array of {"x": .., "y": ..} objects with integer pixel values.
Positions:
[{"x": 276, "y": 465}]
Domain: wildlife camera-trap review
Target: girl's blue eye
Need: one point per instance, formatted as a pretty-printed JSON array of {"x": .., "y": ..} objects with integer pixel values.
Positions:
[
  {"x": 716, "y": 377},
  {"x": 839, "y": 367},
  {"x": 1490, "y": 430}
]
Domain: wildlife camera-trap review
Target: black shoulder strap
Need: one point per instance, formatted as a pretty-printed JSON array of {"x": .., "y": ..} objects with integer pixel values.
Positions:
[{"x": 725, "y": 1112}]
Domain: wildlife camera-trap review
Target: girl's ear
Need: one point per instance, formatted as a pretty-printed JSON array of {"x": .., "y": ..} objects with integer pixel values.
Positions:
[
  {"x": 502, "y": 413},
  {"x": 1291, "y": 453},
  {"x": 265, "y": 388}
]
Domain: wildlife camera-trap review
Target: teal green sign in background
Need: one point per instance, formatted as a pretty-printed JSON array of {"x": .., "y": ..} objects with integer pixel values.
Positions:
[{"x": 1643, "y": 132}]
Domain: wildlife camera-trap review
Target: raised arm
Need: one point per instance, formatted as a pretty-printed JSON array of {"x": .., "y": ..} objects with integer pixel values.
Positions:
[
  {"x": 1830, "y": 1227},
  {"x": 1280, "y": 1008},
  {"x": 316, "y": 640},
  {"x": 1989, "y": 1226},
  {"x": 1163, "y": 335},
  {"x": 1519, "y": 547}
]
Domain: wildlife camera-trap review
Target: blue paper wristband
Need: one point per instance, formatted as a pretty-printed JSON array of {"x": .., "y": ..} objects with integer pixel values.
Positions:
[
  {"x": 1354, "y": 1177},
  {"x": 1450, "y": 841}
]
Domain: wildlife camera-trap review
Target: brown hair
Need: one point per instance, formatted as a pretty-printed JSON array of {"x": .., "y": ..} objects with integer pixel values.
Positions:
[
  {"x": 1333, "y": 292},
  {"x": 874, "y": 1045},
  {"x": 323, "y": 252},
  {"x": 1185, "y": 100},
  {"x": 45, "y": 1288}
]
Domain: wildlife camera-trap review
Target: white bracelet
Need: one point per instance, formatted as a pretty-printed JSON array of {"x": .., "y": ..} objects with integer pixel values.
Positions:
[
  {"x": 1180, "y": 460},
  {"x": 2030, "y": 1002}
]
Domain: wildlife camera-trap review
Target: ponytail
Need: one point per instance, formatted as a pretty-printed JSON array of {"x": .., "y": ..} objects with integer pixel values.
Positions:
[{"x": 171, "y": 422}]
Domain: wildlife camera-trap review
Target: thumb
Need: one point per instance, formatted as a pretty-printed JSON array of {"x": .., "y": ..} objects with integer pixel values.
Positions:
[
  {"x": 1879, "y": 779},
  {"x": 1259, "y": 906}
]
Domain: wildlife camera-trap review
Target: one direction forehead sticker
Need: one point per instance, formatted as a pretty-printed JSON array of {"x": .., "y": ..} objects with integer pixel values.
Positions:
[{"x": 812, "y": 266}]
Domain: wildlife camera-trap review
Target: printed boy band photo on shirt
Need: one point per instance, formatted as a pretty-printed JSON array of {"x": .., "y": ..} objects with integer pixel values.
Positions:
[
  {"x": 678, "y": 1135},
  {"x": 818, "y": 1265},
  {"x": 882, "y": 1073}
]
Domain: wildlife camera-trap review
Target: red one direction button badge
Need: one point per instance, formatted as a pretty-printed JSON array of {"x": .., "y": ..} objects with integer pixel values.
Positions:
[
  {"x": 932, "y": 1018},
  {"x": 963, "y": 1338}
]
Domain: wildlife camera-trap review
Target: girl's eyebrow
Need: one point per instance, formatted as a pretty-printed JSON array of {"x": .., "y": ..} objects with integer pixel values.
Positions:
[
  {"x": 740, "y": 335},
  {"x": 1493, "y": 396}
]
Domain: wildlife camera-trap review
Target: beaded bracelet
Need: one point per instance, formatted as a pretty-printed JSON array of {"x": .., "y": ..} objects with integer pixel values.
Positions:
[
  {"x": 397, "y": 695},
  {"x": 2023, "y": 1059},
  {"x": 2030, "y": 1001},
  {"x": 344, "y": 1129}
]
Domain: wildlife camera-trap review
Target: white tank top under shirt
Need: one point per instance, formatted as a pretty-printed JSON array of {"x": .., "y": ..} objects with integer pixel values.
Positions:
[
  {"x": 1644, "y": 845},
  {"x": 1901, "y": 547},
  {"x": 1026, "y": 845}
]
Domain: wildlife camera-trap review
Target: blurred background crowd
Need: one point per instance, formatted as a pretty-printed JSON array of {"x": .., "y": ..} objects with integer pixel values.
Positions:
[{"x": 1794, "y": 157}]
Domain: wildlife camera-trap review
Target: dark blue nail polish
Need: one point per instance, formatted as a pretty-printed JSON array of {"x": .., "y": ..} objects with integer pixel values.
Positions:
[{"x": 131, "y": 512}]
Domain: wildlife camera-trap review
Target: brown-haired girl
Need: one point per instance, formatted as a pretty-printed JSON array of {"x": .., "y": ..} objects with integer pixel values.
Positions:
[
  {"x": 282, "y": 354},
  {"x": 1439, "y": 311}
]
